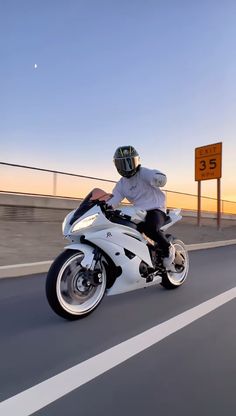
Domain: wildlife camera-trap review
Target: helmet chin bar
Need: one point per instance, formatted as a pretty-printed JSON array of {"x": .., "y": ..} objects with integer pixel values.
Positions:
[{"x": 128, "y": 174}]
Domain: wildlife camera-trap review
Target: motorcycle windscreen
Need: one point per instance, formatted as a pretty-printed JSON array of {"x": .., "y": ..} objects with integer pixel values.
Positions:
[
  {"x": 100, "y": 195},
  {"x": 89, "y": 201}
]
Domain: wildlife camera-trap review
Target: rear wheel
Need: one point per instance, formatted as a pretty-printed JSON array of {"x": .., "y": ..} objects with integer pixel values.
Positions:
[
  {"x": 172, "y": 280},
  {"x": 68, "y": 291}
]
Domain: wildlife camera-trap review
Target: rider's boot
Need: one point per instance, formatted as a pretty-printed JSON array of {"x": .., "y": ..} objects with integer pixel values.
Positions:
[{"x": 168, "y": 262}]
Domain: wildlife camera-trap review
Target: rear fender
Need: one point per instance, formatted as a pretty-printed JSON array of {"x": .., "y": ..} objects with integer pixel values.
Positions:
[{"x": 175, "y": 216}]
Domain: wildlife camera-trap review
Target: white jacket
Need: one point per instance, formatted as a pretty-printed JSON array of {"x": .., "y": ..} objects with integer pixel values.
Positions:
[{"x": 142, "y": 190}]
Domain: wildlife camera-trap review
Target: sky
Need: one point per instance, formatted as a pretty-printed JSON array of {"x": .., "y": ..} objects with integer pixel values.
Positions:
[{"x": 78, "y": 78}]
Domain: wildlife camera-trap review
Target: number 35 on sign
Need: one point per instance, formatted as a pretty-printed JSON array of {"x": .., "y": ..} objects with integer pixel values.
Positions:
[{"x": 208, "y": 162}]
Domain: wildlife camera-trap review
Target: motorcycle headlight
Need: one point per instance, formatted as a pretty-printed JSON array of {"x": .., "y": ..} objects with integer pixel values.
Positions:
[
  {"x": 66, "y": 223},
  {"x": 86, "y": 222}
]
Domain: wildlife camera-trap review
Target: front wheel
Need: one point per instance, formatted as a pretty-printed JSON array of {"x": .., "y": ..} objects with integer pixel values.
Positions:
[
  {"x": 67, "y": 290},
  {"x": 172, "y": 280}
]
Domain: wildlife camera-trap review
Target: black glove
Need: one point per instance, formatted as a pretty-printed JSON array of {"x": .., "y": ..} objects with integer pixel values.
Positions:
[{"x": 108, "y": 207}]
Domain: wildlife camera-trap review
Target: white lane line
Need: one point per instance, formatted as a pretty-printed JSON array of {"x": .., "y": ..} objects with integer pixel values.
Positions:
[
  {"x": 42, "y": 394},
  {"x": 210, "y": 244}
]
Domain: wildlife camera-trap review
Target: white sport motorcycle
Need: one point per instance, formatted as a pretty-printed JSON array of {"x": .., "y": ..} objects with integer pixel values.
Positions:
[{"x": 108, "y": 255}]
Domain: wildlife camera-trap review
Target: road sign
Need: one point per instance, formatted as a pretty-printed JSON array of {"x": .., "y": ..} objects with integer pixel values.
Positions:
[
  {"x": 208, "y": 165},
  {"x": 208, "y": 162}
]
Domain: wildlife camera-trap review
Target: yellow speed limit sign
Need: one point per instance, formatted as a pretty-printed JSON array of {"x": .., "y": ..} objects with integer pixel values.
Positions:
[{"x": 208, "y": 162}]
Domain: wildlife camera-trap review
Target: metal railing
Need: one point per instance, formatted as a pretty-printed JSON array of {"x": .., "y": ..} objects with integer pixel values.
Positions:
[{"x": 52, "y": 183}]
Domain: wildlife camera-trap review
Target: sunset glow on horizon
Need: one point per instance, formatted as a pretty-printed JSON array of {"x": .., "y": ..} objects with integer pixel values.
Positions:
[{"x": 36, "y": 182}]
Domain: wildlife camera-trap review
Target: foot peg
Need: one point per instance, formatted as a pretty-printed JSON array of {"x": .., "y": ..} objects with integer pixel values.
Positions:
[{"x": 151, "y": 277}]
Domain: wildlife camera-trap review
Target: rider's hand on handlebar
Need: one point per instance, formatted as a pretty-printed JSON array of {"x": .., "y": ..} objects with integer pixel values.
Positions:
[{"x": 108, "y": 207}]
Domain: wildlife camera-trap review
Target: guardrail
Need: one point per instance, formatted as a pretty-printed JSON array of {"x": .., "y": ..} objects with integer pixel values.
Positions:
[{"x": 29, "y": 180}]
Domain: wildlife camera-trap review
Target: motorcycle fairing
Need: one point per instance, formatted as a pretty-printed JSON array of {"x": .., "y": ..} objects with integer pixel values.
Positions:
[
  {"x": 129, "y": 279},
  {"x": 116, "y": 238}
]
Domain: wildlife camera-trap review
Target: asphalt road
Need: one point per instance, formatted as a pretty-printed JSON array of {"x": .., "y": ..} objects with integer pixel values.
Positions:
[{"x": 190, "y": 372}]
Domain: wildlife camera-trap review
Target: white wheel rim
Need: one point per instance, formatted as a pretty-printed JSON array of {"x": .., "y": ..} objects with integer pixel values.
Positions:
[
  {"x": 178, "y": 278},
  {"x": 72, "y": 295}
]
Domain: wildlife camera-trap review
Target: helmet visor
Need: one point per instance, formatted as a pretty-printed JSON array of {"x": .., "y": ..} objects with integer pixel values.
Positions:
[{"x": 127, "y": 164}]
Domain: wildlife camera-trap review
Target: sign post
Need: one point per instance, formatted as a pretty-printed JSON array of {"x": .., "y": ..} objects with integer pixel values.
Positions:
[
  {"x": 199, "y": 203},
  {"x": 218, "y": 203},
  {"x": 208, "y": 165}
]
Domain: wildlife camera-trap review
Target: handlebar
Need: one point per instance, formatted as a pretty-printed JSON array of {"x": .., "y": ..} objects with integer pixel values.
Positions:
[{"x": 110, "y": 212}]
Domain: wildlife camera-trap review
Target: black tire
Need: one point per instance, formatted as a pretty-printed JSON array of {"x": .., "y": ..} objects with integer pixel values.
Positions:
[
  {"x": 174, "y": 280},
  {"x": 51, "y": 287}
]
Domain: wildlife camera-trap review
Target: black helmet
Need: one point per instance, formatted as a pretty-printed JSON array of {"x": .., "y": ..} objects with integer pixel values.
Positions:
[{"x": 126, "y": 160}]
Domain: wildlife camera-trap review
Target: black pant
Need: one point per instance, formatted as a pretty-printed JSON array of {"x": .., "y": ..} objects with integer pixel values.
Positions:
[{"x": 154, "y": 220}]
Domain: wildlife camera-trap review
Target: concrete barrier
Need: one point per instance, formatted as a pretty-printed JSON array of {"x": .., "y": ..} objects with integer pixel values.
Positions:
[
  {"x": 35, "y": 208},
  {"x": 48, "y": 209}
]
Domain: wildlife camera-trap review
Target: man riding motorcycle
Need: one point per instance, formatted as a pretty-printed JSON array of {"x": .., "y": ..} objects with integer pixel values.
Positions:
[
  {"x": 141, "y": 187},
  {"x": 106, "y": 253}
]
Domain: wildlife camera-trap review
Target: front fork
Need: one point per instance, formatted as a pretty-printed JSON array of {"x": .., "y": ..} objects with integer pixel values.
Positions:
[
  {"x": 89, "y": 272},
  {"x": 93, "y": 274}
]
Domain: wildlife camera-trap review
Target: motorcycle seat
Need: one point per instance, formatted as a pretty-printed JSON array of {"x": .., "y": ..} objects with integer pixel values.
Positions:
[{"x": 167, "y": 219}]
